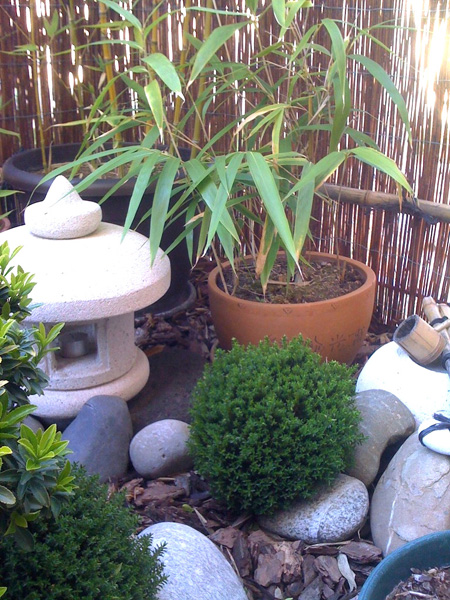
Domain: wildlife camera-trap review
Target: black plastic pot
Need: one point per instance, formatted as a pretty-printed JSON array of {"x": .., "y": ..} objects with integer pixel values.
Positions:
[
  {"x": 21, "y": 172},
  {"x": 429, "y": 551}
]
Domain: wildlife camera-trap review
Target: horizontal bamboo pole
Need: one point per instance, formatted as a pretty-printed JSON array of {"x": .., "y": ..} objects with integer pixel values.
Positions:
[{"x": 431, "y": 212}]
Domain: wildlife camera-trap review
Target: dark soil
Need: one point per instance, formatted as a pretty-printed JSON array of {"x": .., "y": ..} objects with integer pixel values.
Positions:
[
  {"x": 320, "y": 280},
  {"x": 433, "y": 584}
]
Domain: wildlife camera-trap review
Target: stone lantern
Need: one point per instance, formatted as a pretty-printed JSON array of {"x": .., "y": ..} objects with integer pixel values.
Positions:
[{"x": 92, "y": 278}]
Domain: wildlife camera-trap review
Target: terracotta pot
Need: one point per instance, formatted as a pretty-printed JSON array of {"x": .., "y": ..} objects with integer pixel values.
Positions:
[{"x": 336, "y": 327}]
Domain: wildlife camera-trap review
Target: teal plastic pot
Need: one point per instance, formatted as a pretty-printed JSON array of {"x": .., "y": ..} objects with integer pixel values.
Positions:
[{"x": 429, "y": 551}]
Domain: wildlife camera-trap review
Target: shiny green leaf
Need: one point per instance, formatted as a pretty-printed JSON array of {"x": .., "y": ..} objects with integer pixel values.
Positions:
[
  {"x": 383, "y": 163},
  {"x": 160, "y": 204},
  {"x": 383, "y": 78},
  {"x": 268, "y": 190},
  {"x": 216, "y": 40},
  {"x": 154, "y": 98},
  {"x": 165, "y": 70}
]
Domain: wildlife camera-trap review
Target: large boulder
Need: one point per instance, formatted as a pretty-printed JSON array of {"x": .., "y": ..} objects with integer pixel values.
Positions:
[
  {"x": 423, "y": 390},
  {"x": 385, "y": 421},
  {"x": 160, "y": 449},
  {"x": 99, "y": 437},
  {"x": 195, "y": 567},
  {"x": 412, "y": 497},
  {"x": 334, "y": 514}
]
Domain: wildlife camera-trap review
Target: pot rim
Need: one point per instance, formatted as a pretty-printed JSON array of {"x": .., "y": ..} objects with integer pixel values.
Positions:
[
  {"x": 397, "y": 564},
  {"x": 365, "y": 269},
  {"x": 15, "y": 173}
]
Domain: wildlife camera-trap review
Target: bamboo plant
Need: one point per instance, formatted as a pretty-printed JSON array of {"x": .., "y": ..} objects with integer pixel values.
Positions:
[{"x": 291, "y": 91}]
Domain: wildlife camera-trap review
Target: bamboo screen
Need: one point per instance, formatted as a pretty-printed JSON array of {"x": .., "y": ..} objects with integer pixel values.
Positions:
[{"x": 408, "y": 253}]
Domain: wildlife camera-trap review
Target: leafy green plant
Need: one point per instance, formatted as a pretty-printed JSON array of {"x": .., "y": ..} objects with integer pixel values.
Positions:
[
  {"x": 90, "y": 552},
  {"x": 291, "y": 93},
  {"x": 270, "y": 423},
  {"x": 34, "y": 475}
]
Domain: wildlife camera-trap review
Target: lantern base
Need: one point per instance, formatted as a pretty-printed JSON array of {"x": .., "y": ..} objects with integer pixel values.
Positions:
[{"x": 62, "y": 406}]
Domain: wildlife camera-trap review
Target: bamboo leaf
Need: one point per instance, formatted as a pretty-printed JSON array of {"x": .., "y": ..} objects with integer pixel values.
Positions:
[
  {"x": 139, "y": 190},
  {"x": 154, "y": 98},
  {"x": 208, "y": 190},
  {"x": 383, "y": 163},
  {"x": 165, "y": 70},
  {"x": 276, "y": 132},
  {"x": 267, "y": 189},
  {"x": 319, "y": 172},
  {"x": 303, "y": 208},
  {"x": 383, "y": 78},
  {"x": 216, "y": 40},
  {"x": 160, "y": 205},
  {"x": 270, "y": 261},
  {"x": 294, "y": 7},
  {"x": 342, "y": 111},
  {"x": 337, "y": 49},
  {"x": 125, "y": 14},
  {"x": 279, "y": 11}
]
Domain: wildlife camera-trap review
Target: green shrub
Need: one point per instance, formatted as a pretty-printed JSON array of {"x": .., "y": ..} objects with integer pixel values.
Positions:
[
  {"x": 34, "y": 473},
  {"x": 270, "y": 423},
  {"x": 88, "y": 553}
]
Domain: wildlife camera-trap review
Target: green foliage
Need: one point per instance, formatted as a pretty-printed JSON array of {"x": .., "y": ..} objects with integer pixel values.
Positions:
[
  {"x": 89, "y": 553},
  {"x": 34, "y": 475},
  {"x": 271, "y": 168},
  {"x": 270, "y": 423}
]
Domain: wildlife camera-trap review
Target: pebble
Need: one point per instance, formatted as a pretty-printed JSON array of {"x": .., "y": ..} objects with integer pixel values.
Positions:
[
  {"x": 334, "y": 514},
  {"x": 160, "y": 449},
  {"x": 412, "y": 497},
  {"x": 195, "y": 567},
  {"x": 99, "y": 437},
  {"x": 385, "y": 421}
]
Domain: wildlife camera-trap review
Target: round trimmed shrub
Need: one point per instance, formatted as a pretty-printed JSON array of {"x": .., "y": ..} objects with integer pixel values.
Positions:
[
  {"x": 270, "y": 423},
  {"x": 89, "y": 553}
]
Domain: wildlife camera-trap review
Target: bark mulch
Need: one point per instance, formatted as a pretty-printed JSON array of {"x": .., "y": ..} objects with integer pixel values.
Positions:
[{"x": 433, "y": 584}]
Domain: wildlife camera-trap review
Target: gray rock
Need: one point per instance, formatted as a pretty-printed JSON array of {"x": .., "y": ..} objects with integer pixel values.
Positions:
[
  {"x": 385, "y": 421},
  {"x": 412, "y": 497},
  {"x": 160, "y": 449},
  {"x": 33, "y": 423},
  {"x": 100, "y": 435},
  {"x": 195, "y": 567},
  {"x": 334, "y": 514}
]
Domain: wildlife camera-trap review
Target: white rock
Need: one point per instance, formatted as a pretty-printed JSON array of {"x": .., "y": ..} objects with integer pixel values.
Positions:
[
  {"x": 334, "y": 514},
  {"x": 195, "y": 567},
  {"x": 437, "y": 439},
  {"x": 412, "y": 497},
  {"x": 423, "y": 390},
  {"x": 160, "y": 449},
  {"x": 62, "y": 214}
]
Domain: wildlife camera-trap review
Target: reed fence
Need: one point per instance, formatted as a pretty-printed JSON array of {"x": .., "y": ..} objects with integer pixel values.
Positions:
[{"x": 409, "y": 250}]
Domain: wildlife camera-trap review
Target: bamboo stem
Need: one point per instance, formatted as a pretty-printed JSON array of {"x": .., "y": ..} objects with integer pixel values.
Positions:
[
  {"x": 107, "y": 55},
  {"x": 382, "y": 200},
  {"x": 183, "y": 55},
  {"x": 201, "y": 89},
  {"x": 34, "y": 63}
]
